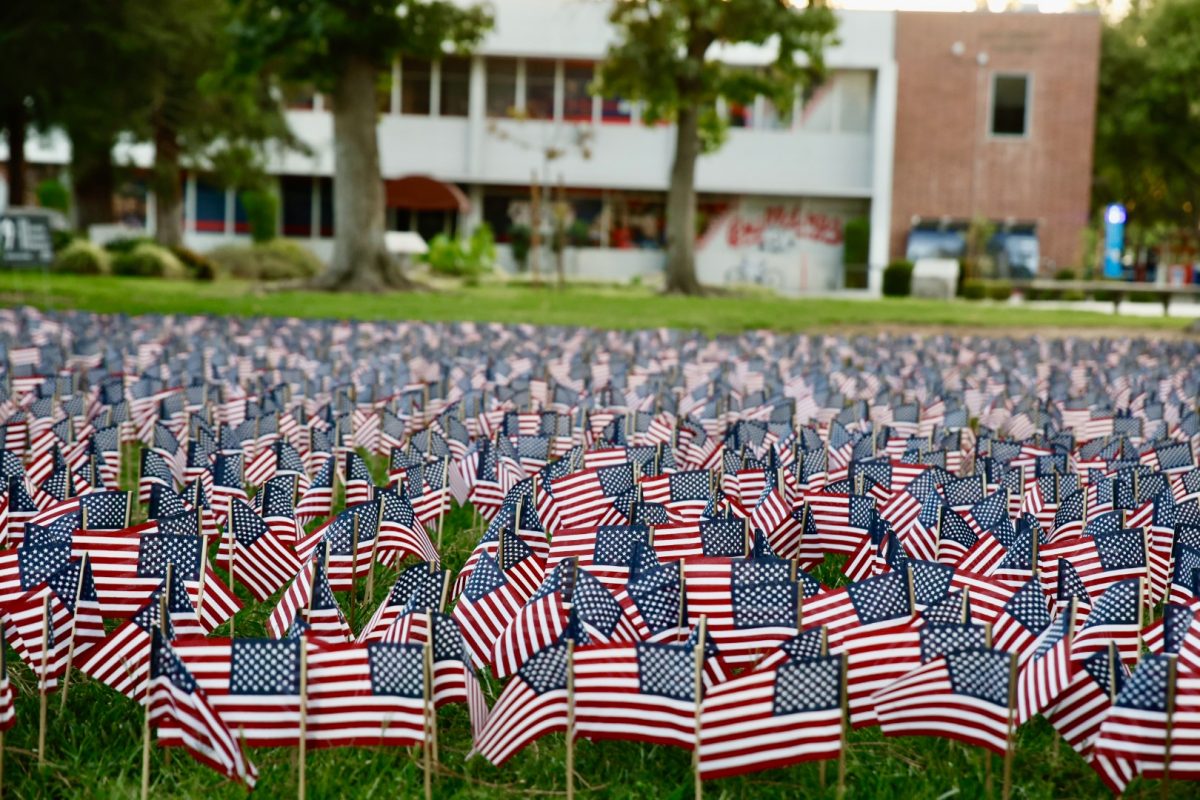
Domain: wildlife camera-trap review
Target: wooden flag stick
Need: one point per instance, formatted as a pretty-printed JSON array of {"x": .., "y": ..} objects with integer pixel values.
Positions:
[
  {"x": 71, "y": 648},
  {"x": 146, "y": 748},
  {"x": 433, "y": 717},
  {"x": 1010, "y": 744},
  {"x": 42, "y": 681},
  {"x": 427, "y": 701},
  {"x": 697, "y": 688},
  {"x": 570, "y": 719},
  {"x": 442, "y": 499},
  {"x": 302, "y": 744},
  {"x": 370, "y": 591},
  {"x": 1165, "y": 785},
  {"x": 844, "y": 744},
  {"x": 232, "y": 559},
  {"x": 353, "y": 562}
]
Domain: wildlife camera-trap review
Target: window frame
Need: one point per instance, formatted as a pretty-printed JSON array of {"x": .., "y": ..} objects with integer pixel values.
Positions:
[{"x": 1027, "y": 127}]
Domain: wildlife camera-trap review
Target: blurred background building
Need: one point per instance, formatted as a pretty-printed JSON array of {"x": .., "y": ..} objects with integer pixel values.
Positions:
[{"x": 933, "y": 134}]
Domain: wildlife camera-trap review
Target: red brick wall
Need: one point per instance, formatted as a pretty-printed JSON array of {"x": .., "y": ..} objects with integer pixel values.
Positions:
[{"x": 946, "y": 162}]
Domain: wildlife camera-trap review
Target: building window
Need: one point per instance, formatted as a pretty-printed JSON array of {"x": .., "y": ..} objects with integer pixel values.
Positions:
[
  {"x": 501, "y": 86},
  {"x": 856, "y": 89},
  {"x": 577, "y": 101},
  {"x": 414, "y": 86},
  {"x": 539, "y": 89},
  {"x": 296, "y": 191},
  {"x": 456, "y": 86},
  {"x": 210, "y": 207},
  {"x": 1010, "y": 105}
]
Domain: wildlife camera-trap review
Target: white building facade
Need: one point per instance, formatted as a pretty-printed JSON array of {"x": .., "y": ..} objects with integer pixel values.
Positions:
[{"x": 774, "y": 201}]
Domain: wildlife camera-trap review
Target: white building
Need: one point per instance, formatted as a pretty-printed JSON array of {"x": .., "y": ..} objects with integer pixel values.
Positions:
[{"x": 774, "y": 200}]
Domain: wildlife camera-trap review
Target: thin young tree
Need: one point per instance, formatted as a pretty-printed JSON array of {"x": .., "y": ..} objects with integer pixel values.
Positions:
[{"x": 667, "y": 56}]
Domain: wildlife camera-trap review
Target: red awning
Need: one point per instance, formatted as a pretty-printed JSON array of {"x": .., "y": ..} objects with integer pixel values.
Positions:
[{"x": 423, "y": 193}]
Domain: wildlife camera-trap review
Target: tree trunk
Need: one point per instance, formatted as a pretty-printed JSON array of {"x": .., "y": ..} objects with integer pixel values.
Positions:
[
  {"x": 361, "y": 262},
  {"x": 168, "y": 198},
  {"x": 681, "y": 205},
  {"x": 92, "y": 177},
  {"x": 15, "y": 120}
]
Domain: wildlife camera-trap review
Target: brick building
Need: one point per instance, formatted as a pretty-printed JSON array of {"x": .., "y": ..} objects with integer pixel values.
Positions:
[{"x": 995, "y": 116}]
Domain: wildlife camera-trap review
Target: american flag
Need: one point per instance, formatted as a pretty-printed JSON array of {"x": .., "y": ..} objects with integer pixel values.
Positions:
[
  {"x": 253, "y": 684},
  {"x": 495, "y": 593},
  {"x": 643, "y": 691},
  {"x": 1155, "y": 700},
  {"x": 317, "y": 501},
  {"x": 534, "y": 703},
  {"x": 363, "y": 695},
  {"x": 1044, "y": 677},
  {"x": 771, "y": 718},
  {"x": 966, "y": 695},
  {"x": 1100, "y": 560},
  {"x": 683, "y": 494},
  {"x": 309, "y": 597},
  {"x": 261, "y": 560},
  {"x": 175, "y": 699},
  {"x": 1113, "y": 621},
  {"x": 1022, "y": 620}
]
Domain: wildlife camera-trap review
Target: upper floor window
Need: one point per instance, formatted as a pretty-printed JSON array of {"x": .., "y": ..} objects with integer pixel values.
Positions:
[
  {"x": 501, "y": 86},
  {"x": 415, "y": 76},
  {"x": 539, "y": 89},
  {"x": 577, "y": 102},
  {"x": 455, "y": 86},
  {"x": 1010, "y": 105}
]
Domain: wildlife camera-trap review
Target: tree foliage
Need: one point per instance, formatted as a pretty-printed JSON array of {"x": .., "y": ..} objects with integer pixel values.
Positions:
[
  {"x": 312, "y": 41},
  {"x": 668, "y": 54},
  {"x": 1147, "y": 155}
]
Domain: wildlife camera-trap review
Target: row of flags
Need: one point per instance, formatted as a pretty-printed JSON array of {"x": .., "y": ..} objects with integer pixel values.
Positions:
[{"x": 1017, "y": 525}]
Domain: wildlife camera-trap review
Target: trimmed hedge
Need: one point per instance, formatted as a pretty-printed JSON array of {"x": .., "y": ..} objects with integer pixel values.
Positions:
[
  {"x": 81, "y": 257},
  {"x": 276, "y": 260},
  {"x": 149, "y": 260},
  {"x": 200, "y": 266},
  {"x": 1000, "y": 290},
  {"x": 897, "y": 279},
  {"x": 974, "y": 289}
]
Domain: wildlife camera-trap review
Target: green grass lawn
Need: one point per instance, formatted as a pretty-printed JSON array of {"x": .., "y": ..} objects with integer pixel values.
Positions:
[{"x": 597, "y": 306}]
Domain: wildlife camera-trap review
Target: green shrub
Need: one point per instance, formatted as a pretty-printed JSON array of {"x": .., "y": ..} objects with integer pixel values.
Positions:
[
  {"x": 81, "y": 257},
  {"x": 149, "y": 260},
  {"x": 897, "y": 279},
  {"x": 1000, "y": 290},
  {"x": 1144, "y": 297},
  {"x": 276, "y": 260},
  {"x": 580, "y": 234},
  {"x": 974, "y": 289},
  {"x": 856, "y": 235},
  {"x": 520, "y": 238},
  {"x": 1103, "y": 295},
  {"x": 262, "y": 213},
  {"x": 126, "y": 244},
  {"x": 200, "y": 266},
  {"x": 1073, "y": 295},
  {"x": 450, "y": 256},
  {"x": 1065, "y": 275},
  {"x": 53, "y": 194},
  {"x": 61, "y": 239}
]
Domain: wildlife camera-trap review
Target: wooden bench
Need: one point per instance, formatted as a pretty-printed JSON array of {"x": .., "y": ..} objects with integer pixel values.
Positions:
[{"x": 1119, "y": 289}]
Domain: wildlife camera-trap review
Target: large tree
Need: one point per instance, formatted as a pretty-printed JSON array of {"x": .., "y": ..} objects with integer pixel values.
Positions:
[
  {"x": 664, "y": 57},
  {"x": 200, "y": 109},
  {"x": 340, "y": 47}
]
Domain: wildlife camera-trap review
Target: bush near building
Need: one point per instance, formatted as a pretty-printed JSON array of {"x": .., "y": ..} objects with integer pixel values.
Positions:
[
  {"x": 81, "y": 257},
  {"x": 149, "y": 260},
  {"x": 897, "y": 279},
  {"x": 974, "y": 289},
  {"x": 276, "y": 260}
]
